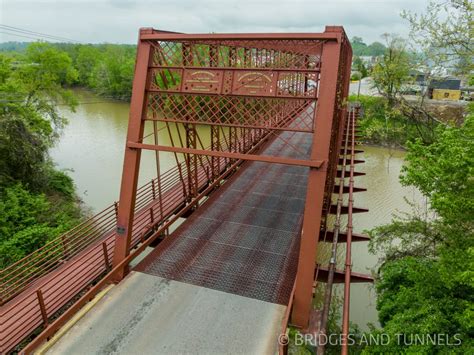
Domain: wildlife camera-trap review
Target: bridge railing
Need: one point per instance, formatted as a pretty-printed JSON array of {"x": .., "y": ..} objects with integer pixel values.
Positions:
[
  {"x": 41, "y": 294},
  {"x": 17, "y": 276},
  {"x": 58, "y": 251}
]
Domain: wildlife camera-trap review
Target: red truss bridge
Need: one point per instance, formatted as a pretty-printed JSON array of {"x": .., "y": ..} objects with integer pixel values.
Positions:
[{"x": 219, "y": 253}]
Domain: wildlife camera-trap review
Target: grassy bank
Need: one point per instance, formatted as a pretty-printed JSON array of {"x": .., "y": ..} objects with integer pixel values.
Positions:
[
  {"x": 387, "y": 126},
  {"x": 381, "y": 125}
]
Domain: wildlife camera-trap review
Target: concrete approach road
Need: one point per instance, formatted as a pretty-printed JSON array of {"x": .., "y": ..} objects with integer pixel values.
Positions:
[
  {"x": 147, "y": 314},
  {"x": 366, "y": 87}
]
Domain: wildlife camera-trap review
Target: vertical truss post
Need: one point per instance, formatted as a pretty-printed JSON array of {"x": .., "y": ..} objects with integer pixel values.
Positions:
[
  {"x": 178, "y": 163},
  {"x": 215, "y": 136},
  {"x": 158, "y": 169},
  {"x": 233, "y": 141},
  {"x": 213, "y": 55},
  {"x": 247, "y": 58},
  {"x": 326, "y": 111},
  {"x": 232, "y": 56},
  {"x": 215, "y": 145},
  {"x": 230, "y": 143},
  {"x": 187, "y": 55},
  {"x": 192, "y": 165},
  {"x": 128, "y": 189},
  {"x": 42, "y": 306}
]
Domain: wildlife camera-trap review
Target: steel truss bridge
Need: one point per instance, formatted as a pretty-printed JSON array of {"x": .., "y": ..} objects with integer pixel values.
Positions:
[{"x": 242, "y": 216}]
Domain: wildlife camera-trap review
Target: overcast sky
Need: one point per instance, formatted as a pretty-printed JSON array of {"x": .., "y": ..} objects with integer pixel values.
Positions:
[{"x": 117, "y": 21}]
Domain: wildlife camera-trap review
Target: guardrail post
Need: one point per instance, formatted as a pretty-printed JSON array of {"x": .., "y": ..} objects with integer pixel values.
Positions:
[
  {"x": 106, "y": 256},
  {"x": 42, "y": 306}
]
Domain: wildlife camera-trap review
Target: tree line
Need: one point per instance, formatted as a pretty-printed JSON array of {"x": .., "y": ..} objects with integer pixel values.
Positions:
[{"x": 106, "y": 69}]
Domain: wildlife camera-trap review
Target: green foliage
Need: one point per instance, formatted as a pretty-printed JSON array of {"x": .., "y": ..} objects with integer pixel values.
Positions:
[
  {"x": 391, "y": 73},
  {"x": 22, "y": 152},
  {"x": 113, "y": 74},
  {"x": 414, "y": 299},
  {"x": 443, "y": 171},
  {"x": 444, "y": 33},
  {"x": 426, "y": 284},
  {"x": 106, "y": 69},
  {"x": 87, "y": 59},
  {"x": 359, "y": 65},
  {"x": 28, "y": 221},
  {"x": 37, "y": 202},
  {"x": 30, "y": 87},
  {"x": 19, "y": 209},
  {"x": 359, "y": 48},
  {"x": 384, "y": 125}
]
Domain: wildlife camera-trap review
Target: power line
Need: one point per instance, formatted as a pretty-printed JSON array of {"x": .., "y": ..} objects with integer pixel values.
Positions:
[
  {"x": 34, "y": 33},
  {"x": 14, "y": 34},
  {"x": 28, "y": 32}
]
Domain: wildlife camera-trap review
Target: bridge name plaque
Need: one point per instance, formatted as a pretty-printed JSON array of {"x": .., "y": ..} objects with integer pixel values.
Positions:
[
  {"x": 203, "y": 81},
  {"x": 261, "y": 83}
]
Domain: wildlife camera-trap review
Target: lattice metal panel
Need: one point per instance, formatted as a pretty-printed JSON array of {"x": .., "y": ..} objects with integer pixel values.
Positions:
[
  {"x": 291, "y": 54},
  {"x": 245, "y": 239},
  {"x": 264, "y": 112}
]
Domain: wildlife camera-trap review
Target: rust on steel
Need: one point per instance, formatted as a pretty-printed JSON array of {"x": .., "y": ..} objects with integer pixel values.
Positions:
[
  {"x": 132, "y": 156},
  {"x": 348, "y": 261},
  {"x": 334, "y": 82},
  {"x": 253, "y": 157},
  {"x": 237, "y": 81},
  {"x": 275, "y": 100}
]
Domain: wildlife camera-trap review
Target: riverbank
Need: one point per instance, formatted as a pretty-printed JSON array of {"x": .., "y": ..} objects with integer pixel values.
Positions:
[{"x": 381, "y": 125}]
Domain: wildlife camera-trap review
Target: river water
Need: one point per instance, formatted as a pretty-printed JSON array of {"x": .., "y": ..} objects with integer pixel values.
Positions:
[{"x": 91, "y": 148}]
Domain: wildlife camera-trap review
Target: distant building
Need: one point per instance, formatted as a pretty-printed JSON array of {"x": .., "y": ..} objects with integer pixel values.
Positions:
[
  {"x": 446, "y": 84},
  {"x": 445, "y": 89},
  {"x": 369, "y": 61},
  {"x": 419, "y": 78}
]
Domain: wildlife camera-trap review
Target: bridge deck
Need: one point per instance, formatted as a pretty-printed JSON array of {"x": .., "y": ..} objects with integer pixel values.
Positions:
[
  {"x": 221, "y": 281},
  {"x": 244, "y": 239}
]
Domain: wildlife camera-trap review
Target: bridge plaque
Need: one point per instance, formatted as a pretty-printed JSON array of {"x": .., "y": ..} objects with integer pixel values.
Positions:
[
  {"x": 202, "y": 81},
  {"x": 255, "y": 83}
]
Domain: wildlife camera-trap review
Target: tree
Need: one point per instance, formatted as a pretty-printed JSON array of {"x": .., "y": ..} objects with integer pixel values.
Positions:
[
  {"x": 425, "y": 284},
  {"x": 37, "y": 202},
  {"x": 87, "y": 59},
  {"x": 376, "y": 49},
  {"x": 444, "y": 33},
  {"x": 391, "y": 72},
  {"x": 113, "y": 75},
  {"x": 30, "y": 87},
  {"x": 359, "y": 65},
  {"x": 358, "y": 46},
  {"x": 357, "y": 40}
]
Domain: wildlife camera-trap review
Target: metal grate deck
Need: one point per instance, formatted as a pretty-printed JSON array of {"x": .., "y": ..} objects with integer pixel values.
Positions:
[{"x": 244, "y": 240}]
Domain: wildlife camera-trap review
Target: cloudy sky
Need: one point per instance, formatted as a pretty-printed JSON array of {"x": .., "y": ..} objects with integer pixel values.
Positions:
[{"x": 117, "y": 21}]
